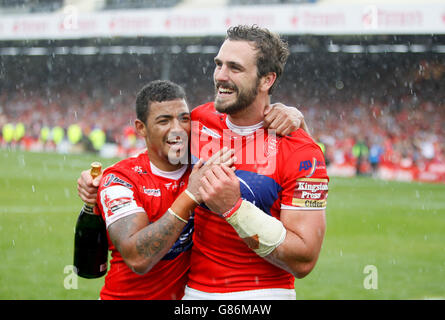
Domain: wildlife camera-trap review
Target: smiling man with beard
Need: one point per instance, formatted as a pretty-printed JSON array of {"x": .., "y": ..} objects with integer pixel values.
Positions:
[{"x": 256, "y": 230}]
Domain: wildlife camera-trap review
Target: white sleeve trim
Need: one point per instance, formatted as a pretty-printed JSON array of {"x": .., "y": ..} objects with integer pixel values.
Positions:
[
  {"x": 288, "y": 207},
  {"x": 118, "y": 202},
  {"x": 109, "y": 222}
]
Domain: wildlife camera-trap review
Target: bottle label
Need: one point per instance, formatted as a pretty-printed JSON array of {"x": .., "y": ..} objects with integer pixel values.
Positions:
[{"x": 103, "y": 267}]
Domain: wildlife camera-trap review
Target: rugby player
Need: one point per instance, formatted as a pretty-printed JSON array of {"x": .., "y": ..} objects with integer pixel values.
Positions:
[
  {"x": 144, "y": 202},
  {"x": 263, "y": 224}
]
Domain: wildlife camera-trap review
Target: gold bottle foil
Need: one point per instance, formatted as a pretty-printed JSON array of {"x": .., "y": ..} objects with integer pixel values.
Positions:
[{"x": 96, "y": 168}]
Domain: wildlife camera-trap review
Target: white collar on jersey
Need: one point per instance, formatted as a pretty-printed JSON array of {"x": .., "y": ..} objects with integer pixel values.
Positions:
[
  {"x": 173, "y": 175},
  {"x": 243, "y": 130}
]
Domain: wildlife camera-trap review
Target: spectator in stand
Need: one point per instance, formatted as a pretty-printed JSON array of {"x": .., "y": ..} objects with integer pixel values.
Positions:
[
  {"x": 360, "y": 152},
  {"x": 375, "y": 152}
]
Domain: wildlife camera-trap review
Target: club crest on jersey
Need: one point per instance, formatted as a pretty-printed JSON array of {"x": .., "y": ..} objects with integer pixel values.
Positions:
[
  {"x": 111, "y": 178},
  {"x": 271, "y": 146}
]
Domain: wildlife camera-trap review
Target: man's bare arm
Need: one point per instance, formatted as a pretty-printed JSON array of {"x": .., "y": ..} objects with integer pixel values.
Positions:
[
  {"x": 299, "y": 251},
  {"x": 142, "y": 245}
]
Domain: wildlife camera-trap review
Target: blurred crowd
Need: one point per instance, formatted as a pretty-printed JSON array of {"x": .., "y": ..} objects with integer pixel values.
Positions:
[
  {"x": 393, "y": 120},
  {"x": 71, "y": 121},
  {"x": 364, "y": 137}
]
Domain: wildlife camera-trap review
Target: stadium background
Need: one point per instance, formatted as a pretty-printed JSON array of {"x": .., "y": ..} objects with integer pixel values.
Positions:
[{"x": 372, "y": 91}]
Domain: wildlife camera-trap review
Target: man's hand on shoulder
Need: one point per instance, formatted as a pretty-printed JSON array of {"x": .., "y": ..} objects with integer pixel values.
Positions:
[{"x": 284, "y": 119}]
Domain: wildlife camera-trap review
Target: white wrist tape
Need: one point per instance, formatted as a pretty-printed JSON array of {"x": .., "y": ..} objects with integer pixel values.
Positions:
[
  {"x": 262, "y": 233},
  {"x": 191, "y": 196}
]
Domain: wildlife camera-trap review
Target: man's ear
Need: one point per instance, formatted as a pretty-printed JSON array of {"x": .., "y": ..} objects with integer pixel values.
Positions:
[
  {"x": 141, "y": 129},
  {"x": 267, "y": 81}
]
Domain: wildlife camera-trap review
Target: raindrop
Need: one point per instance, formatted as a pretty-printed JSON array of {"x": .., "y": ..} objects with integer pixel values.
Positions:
[
  {"x": 33, "y": 188},
  {"x": 21, "y": 160},
  {"x": 339, "y": 84}
]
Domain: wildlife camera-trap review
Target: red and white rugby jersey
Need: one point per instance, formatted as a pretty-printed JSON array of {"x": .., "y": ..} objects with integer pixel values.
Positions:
[
  {"x": 133, "y": 185},
  {"x": 275, "y": 173}
]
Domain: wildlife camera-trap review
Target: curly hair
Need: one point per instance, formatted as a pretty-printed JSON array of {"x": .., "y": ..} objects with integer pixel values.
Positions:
[
  {"x": 156, "y": 91},
  {"x": 272, "y": 51}
]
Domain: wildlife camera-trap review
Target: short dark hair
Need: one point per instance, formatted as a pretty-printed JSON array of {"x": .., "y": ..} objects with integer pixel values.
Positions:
[
  {"x": 156, "y": 91},
  {"x": 272, "y": 50}
]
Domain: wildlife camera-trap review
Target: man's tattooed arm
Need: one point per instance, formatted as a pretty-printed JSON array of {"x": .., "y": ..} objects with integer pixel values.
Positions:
[{"x": 143, "y": 244}]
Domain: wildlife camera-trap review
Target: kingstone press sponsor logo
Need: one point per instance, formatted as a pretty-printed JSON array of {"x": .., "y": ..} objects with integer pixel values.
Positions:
[{"x": 311, "y": 193}]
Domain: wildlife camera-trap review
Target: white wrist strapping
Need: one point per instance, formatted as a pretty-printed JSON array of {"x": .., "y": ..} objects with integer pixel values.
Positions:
[
  {"x": 191, "y": 196},
  {"x": 176, "y": 216},
  {"x": 262, "y": 232}
]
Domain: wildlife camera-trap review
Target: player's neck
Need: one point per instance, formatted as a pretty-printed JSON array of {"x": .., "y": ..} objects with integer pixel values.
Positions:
[
  {"x": 173, "y": 175},
  {"x": 253, "y": 114}
]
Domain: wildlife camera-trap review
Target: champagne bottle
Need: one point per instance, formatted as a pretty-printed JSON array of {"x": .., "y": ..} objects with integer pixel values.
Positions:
[{"x": 90, "y": 240}]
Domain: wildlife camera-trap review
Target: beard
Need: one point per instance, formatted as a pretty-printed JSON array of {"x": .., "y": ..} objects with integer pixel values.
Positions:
[{"x": 244, "y": 98}]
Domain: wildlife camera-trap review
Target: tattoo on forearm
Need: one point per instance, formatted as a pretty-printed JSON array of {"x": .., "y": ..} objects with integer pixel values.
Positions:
[
  {"x": 122, "y": 229},
  {"x": 152, "y": 241},
  {"x": 158, "y": 237}
]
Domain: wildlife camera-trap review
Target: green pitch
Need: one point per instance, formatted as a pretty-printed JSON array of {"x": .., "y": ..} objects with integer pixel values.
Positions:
[{"x": 393, "y": 231}]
